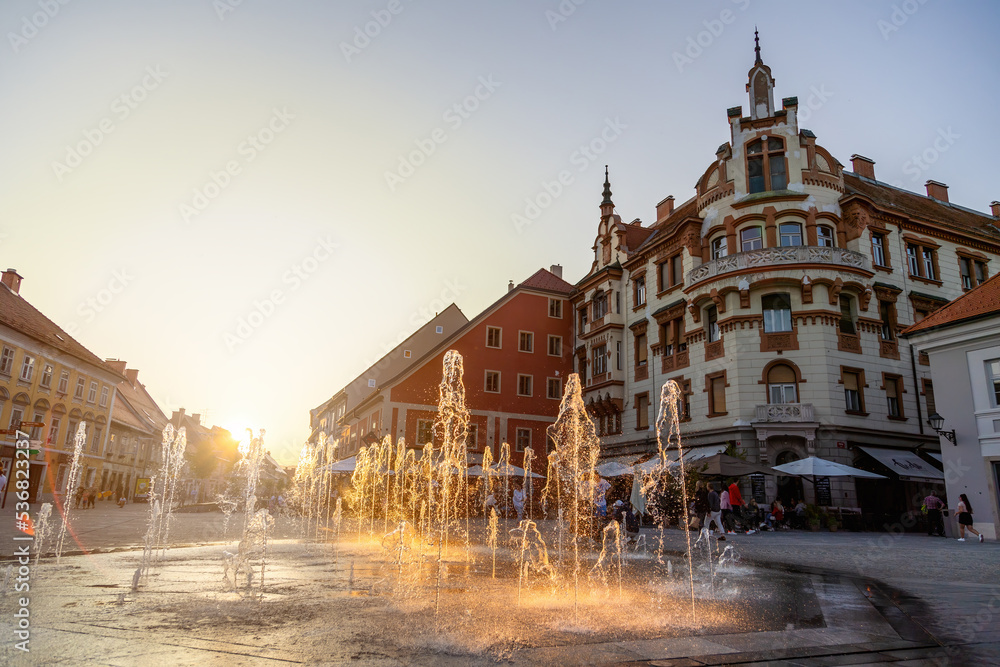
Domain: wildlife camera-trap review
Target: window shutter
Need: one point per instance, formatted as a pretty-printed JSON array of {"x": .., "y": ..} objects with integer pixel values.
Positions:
[
  {"x": 781, "y": 374},
  {"x": 718, "y": 395},
  {"x": 851, "y": 381}
]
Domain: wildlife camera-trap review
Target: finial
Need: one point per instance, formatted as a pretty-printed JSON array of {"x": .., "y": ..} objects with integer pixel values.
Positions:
[
  {"x": 756, "y": 48},
  {"x": 607, "y": 188}
]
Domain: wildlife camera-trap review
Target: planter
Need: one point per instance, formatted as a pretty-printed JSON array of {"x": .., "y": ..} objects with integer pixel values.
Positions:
[{"x": 833, "y": 529}]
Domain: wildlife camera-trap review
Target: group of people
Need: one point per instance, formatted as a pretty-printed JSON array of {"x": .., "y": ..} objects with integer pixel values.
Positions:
[
  {"x": 721, "y": 512},
  {"x": 934, "y": 506}
]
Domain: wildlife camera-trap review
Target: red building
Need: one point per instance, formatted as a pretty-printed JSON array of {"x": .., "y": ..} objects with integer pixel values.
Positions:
[{"x": 516, "y": 355}]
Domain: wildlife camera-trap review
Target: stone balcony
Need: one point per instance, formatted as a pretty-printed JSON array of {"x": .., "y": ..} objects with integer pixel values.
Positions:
[
  {"x": 773, "y": 257},
  {"x": 785, "y": 413}
]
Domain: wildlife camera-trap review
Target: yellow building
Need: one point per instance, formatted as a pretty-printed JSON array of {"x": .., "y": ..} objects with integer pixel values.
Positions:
[{"x": 47, "y": 377}]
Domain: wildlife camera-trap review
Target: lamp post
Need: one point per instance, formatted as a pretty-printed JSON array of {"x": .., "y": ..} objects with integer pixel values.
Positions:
[{"x": 937, "y": 422}]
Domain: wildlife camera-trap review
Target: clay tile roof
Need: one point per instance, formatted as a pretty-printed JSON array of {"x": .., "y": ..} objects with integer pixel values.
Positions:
[
  {"x": 21, "y": 316},
  {"x": 635, "y": 235},
  {"x": 123, "y": 415},
  {"x": 974, "y": 304},
  {"x": 913, "y": 205},
  {"x": 547, "y": 281}
]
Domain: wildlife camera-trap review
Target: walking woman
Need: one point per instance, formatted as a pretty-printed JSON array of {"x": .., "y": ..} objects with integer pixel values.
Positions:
[{"x": 965, "y": 519}]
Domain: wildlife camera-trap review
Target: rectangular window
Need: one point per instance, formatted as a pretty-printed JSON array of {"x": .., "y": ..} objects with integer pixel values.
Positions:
[
  {"x": 71, "y": 433},
  {"x": 712, "y": 323},
  {"x": 781, "y": 393},
  {"x": 716, "y": 395},
  {"x": 104, "y": 397},
  {"x": 63, "y": 382},
  {"x": 425, "y": 431},
  {"x": 600, "y": 305},
  {"x": 641, "y": 350},
  {"x": 929, "y": 272},
  {"x": 755, "y": 173},
  {"x": 672, "y": 336},
  {"x": 36, "y": 431},
  {"x": 522, "y": 439},
  {"x": 684, "y": 402},
  {"x": 583, "y": 318},
  {"x": 719, "y": 248},
  {"x": 980, "y": 268},
  {"x": 750, "y": 239},
  {"x": 965, "y": 267},
  {"x": 555, "y": 346},
  {"x": 825, "y": 237},
  {"x": 472, "y": 437},
  {"x": 46, "y": 380},
  {"x": 852, "y": 391},
  {"x": 493, "y": 382},
  {"x": 6, "y": 361},
  {"x": 640, "y": 290},
  {"x": 777, "y": 312},
  {"x": 642, "y": 411},
  {"x": 929, "y": 396},
  {"x": 993, "y": 381},
  {"x": 95, "y": 443},
  {"x": 847, "y": 315},
  {"x": 554, "y": 388},
  {"x": 555, "y": 308},
  {"x": 878, "y": 250},
  {"x": 526, "y": 342},
  {"x": 618, "y": 355},
  {"x": 911, "y": 260},
  {"x": 16, "y": 417},
  {"x": 53, "y": 436},
  {"x": 524, "y": 385},
  {"x": 493, "y": 337},
  {"x": 600, "y": 360},
  {"x": 27, "y": 369},
  {"x": 893, "y": 393},
  {"x": 790, "y": 234},
  {"x": 81, "y": 384}
]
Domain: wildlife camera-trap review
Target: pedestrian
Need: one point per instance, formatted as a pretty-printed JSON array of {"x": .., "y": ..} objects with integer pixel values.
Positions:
[
  {"x": 715, "y": 508},
  {"x": 601, "y": 495},
  {"x": 91, "y": 497},
  {"x": 965, "y": 519},
  {"x": 78, "y": 496},
  {"x": 519, "y": 501},
  {"x": 623, "y": 514},
  {"x": 800, "y": 514},
  {"x": 727, "y": 511},
  {"x": 700, "y": 502},
  {"x": 935, "y": 522}
]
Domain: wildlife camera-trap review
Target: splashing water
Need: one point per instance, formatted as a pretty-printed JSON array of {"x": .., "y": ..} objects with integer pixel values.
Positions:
[
  {"x": 74, "y": 472},
  {"x": 42, "y": 528}
]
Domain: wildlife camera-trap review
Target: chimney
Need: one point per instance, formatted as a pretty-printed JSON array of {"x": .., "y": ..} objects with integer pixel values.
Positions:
[
  {"x": 936, "y": 190},
  {"x": 995, "y": 208},
  {"x": 116, "y": 365},
  {"x": 196, "y": 418},
  {"x": 556, "y": 270},
  {"x": 510, "y": 286},
  {"x": 133, "y": 376},
  {"x": 665, "y": 208},
  {"x": 12, "y": 280},
  {"x": 862, "y": 166}
]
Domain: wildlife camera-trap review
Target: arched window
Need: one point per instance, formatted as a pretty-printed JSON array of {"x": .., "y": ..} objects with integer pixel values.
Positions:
[
  {"x": 766, "y": 165},
  {"x": 790, "y": 234},
  {"x": 751, "y": 239},
  {"x": 825, "y": 236},
  {"x": 782, "y": 384},
  {"x": 777, "y": 312}
]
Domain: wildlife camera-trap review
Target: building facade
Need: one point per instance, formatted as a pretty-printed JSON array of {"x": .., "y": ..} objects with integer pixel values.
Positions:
[
  {"x": 516, "y": 355},
  {"x": 47, "y": 377},
  {"x": 134, "y": 451},
  {"x": 962, "y": 341},
  {"x": 774, "y": 297}
]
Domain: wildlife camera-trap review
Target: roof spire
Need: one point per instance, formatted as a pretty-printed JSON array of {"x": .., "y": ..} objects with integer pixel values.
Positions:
[
  {"x": 756, "y": 48},
  {"x": 607, "y": 188}
]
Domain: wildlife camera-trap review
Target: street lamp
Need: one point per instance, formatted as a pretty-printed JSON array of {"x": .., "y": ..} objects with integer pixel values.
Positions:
[{"x": 937, "y": 422}]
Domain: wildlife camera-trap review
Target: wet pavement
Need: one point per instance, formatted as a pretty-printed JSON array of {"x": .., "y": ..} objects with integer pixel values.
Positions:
[{"x": 795, "y": 598}]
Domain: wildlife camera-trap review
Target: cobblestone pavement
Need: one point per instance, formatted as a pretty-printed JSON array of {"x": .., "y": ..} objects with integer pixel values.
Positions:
[{"x": 936, "y": 593}]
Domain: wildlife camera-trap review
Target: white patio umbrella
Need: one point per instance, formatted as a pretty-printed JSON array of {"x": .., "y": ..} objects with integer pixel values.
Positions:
[
  {"x": 614, "y": 469},
  {"x": 509, "y": 470},
  {"x": 475, "y": 471},
  {"x": 347, "y": 465},
  {"x": 817, "y": 467}
]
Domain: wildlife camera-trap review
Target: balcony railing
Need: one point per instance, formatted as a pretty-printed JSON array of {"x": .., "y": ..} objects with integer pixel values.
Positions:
[
  {"x": 786, "y": 412},
  {"x": 769, "y": 257}
]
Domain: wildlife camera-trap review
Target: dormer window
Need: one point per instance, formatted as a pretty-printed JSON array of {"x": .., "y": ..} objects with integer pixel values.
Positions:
[{"x": 766, "y": 165}]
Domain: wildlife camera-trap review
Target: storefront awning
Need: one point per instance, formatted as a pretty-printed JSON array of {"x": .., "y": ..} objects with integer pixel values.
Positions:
[
  {"x": 906, "y": 464},
  {"x": 936, "y": 456}
]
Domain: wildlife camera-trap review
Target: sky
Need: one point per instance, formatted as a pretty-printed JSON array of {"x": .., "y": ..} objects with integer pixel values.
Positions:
[{"x": 251, "y": 201}]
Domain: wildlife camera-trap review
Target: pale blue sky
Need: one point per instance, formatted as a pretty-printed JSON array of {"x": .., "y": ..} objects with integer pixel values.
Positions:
[{"x": 337, "y": 124}]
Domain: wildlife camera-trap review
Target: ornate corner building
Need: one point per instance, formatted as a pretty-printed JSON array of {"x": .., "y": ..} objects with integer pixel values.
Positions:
[{"x": 773, "y": 297}]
